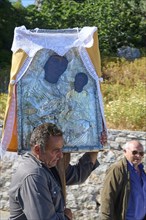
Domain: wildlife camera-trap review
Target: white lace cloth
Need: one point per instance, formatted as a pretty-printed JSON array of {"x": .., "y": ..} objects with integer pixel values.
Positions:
[
  {"x": 60, "y": 43},
  {"x": 31, "y": 42}
]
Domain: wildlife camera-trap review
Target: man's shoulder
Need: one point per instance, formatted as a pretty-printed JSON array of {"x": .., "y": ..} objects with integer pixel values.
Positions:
[
  {"x": 29, "y": 166},
  {"x": 120, "y": 165}
]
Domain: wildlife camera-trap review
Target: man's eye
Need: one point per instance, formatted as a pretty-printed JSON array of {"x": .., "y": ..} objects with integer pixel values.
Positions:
[{"x": 58, "y": 150}]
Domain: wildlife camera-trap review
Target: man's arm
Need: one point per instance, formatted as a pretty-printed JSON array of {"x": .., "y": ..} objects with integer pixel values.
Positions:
[
  {"x": 76, "y": 174},
  {"x": 88, "y": 162}
]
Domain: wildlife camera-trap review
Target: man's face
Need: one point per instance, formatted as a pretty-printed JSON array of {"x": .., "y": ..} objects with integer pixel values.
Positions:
[
  {"x": 53, "y": 151},
  {"x": 133, "y": 153}
]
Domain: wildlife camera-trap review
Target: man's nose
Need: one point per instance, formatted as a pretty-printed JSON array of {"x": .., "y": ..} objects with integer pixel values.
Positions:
[{"x": 60, "y": 154}]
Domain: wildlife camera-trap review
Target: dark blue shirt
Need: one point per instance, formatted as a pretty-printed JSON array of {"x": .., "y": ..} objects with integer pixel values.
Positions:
[{"x": 137, "y": 200}]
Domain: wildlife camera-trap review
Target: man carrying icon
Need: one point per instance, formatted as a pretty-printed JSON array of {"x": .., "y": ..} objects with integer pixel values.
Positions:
[{"x": 36, "y": 191}]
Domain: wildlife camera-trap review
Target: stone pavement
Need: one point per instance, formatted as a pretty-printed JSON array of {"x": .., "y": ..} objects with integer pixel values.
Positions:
[{"x": 4, "y": 215}]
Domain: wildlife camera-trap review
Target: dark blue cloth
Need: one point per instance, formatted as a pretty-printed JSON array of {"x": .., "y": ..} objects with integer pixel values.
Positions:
[{"x": 137, "y": 201}]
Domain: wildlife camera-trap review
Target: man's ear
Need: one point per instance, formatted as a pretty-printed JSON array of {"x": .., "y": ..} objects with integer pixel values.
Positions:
[{"x": 37, "y": 149}]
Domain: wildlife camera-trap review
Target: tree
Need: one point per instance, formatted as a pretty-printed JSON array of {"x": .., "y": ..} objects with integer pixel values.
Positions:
[
  {"x": 119, "y": 22},
  {"x": 11, "y": 17}
]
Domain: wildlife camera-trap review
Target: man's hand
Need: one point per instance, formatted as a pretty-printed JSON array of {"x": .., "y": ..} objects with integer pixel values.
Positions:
[
  {"x": 103, "y": 138},
  {"x": 93, "y": 156},
  {"x": 68, "y": 213},
  {"x": 103, "y": 141}
]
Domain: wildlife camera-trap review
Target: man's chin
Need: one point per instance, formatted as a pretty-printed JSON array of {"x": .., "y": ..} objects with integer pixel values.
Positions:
[
  {"x": 53, "y": 164},
  {"x": 136, "y": 162}
]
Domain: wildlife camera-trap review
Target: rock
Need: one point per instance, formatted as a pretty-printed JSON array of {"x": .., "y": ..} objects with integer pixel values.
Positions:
[{"x": 128, "y": 53}]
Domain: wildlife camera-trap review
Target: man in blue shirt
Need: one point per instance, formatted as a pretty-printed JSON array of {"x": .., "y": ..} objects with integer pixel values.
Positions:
[
  {"x": 124, "y": 192},
  {"x": 137, "y": 199}
]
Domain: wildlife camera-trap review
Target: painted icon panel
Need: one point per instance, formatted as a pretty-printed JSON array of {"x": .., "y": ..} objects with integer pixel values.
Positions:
[{"x": 59, "y": 89}]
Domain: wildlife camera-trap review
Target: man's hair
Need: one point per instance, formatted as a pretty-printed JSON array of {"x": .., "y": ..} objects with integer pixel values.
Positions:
[
  {"x": 129, "y": 143},
  {"x": 41, "y": 134}
]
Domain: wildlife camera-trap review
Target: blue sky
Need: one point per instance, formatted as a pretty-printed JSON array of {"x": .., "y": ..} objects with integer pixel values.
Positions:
[{"x": 27, "y": 2}]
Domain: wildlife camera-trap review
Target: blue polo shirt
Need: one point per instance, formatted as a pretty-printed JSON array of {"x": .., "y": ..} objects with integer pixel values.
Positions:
[{"x": 137, "y": 200}]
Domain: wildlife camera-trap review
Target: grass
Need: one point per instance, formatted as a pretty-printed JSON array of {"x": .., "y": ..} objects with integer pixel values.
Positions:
[
  {"x": 124, "y": 94},
  {"x": 125, "y": 107}
]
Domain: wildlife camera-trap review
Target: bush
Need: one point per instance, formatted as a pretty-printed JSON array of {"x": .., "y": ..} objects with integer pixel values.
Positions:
[{"x": 4, "y": 79}]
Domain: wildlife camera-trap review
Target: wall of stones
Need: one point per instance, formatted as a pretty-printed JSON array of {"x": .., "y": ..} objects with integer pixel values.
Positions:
[{"x": 84, "y": 199}]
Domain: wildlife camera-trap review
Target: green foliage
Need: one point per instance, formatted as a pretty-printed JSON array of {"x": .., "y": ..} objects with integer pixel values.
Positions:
[
  {"x": 4, "y": 78},
  {"x": 119, "y": 22},
  {"x": 18, "y": 4},
  {"x": 11, "y": 17},
  {"x": 5, "y": 56}
]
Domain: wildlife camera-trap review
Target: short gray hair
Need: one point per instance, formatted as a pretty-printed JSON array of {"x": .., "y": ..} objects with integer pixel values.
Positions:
[
  {"x": 41, "y": 134},
  {"x": 126, "y": 146}
]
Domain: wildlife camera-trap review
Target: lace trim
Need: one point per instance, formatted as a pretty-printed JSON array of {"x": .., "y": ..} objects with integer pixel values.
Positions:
[
  {"x": 91, "y": 70},
  {"x": 24, "y": 68},
  {"x": 5, "y": 141}
]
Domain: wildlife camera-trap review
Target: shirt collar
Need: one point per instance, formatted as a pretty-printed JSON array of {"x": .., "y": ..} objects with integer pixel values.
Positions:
[{"x": 132, "y": 166}]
